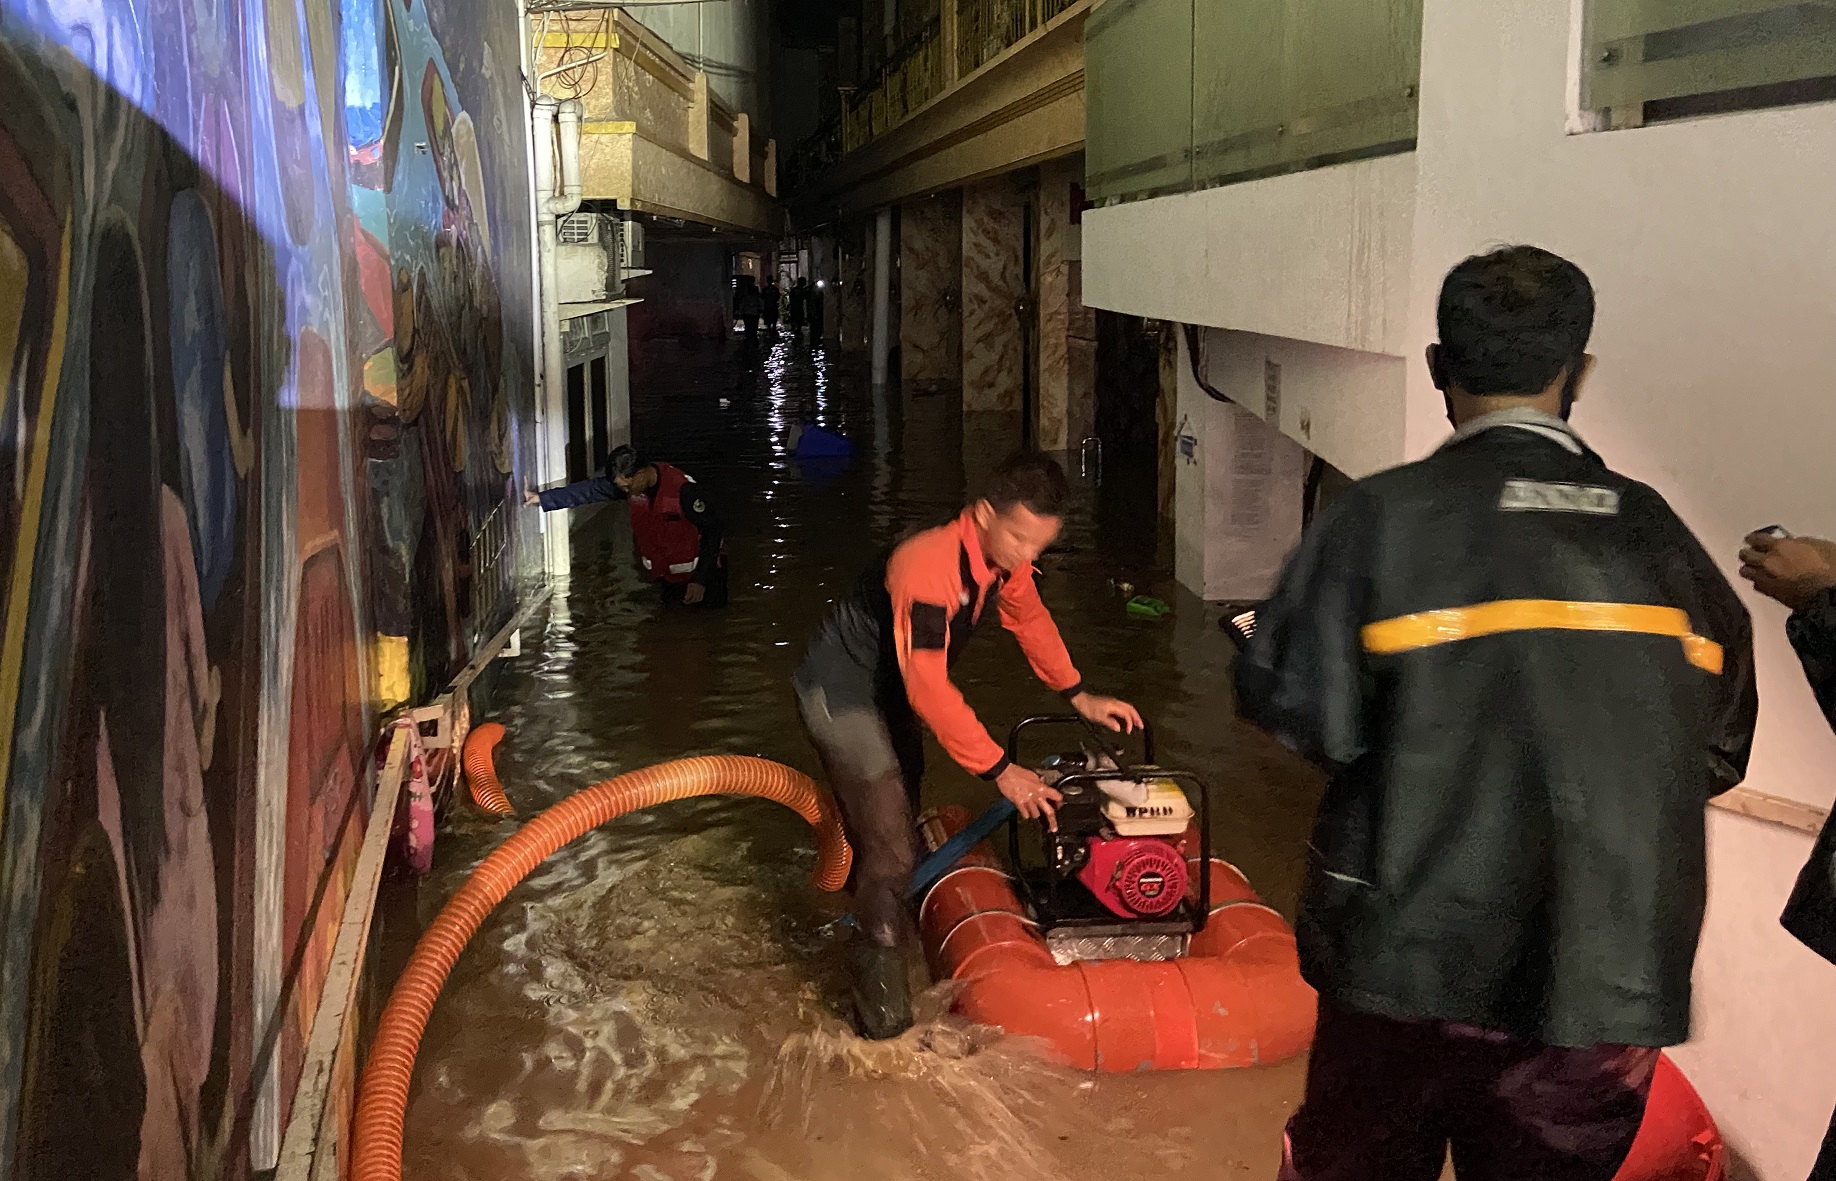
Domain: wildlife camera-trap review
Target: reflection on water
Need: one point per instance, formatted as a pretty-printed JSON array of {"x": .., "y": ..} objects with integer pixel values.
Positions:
[{"x": 657, "y": 1001}]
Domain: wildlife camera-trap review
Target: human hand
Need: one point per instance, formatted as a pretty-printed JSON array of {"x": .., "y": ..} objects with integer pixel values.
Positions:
[
  {"x": 531, "y": 498},
  {"x": 1788, "y": 569},
  {"x": 693, "y": 593},
  {"x": 1112, "y": 712},
  {"x": 1029, "y": 793}
]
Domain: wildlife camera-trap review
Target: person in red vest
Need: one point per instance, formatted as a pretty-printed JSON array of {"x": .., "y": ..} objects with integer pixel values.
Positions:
[{"x": 678, "y": 534}]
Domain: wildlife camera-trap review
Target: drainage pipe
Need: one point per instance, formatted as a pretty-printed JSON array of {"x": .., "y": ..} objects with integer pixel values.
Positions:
[
  {"x": 383, "y": 1097},
  {"x": 487, "y": 792}
]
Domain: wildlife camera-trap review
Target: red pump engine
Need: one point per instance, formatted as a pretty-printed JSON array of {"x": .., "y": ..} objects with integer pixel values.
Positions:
[{"x": 1136, "y": 877}]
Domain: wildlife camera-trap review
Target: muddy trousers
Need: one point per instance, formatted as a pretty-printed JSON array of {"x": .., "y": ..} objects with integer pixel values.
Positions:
[
  {"x": 874, "y": 761},
  {"x": 1386, "y": 1099}
]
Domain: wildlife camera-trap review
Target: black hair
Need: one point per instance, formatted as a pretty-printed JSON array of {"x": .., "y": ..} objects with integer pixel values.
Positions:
[
  {"x": 624, "y": 461},
  {"x": 1032, "y": 479},
  {"x": 1511, "y": 321}
]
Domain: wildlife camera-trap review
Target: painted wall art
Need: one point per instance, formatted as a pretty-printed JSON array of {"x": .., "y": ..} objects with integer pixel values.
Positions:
[{"x": 266, "y": 353}]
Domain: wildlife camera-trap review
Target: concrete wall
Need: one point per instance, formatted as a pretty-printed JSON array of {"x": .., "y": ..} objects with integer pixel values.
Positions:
[
  {"x": 1321, "y": 256},
  {"x": 1712, "y": 250},
  {"x": 1344, "y": 406},
  {"x": 266, "y": 328},
  {"x": 688, "y": 292},
  {"x": 1238, "y": 484},
  {"x": 727, "y": 40}
]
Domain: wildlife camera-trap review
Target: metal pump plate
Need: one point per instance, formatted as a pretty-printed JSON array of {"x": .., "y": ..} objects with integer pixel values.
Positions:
[{"x": 1068, "y": 946}]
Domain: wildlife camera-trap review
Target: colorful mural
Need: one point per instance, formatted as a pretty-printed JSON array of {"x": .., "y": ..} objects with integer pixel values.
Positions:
[{"x": 266, "y": 370}]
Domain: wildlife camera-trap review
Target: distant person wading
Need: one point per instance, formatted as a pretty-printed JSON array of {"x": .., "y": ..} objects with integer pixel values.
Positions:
[{"x": 680, "y": 542}]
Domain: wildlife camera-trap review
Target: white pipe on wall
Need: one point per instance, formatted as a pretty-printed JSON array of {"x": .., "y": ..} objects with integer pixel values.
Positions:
[{"x": 551, "y": 206}]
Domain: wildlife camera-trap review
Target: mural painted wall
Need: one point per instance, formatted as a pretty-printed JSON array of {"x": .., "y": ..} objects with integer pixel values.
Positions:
[{"x": 265, "y": 359}]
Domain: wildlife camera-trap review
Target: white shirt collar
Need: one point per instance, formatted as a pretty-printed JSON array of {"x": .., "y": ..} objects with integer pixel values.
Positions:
[{"x": 1522, "y": 418}]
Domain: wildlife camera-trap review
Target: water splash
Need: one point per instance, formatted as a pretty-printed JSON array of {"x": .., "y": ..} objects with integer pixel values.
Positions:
[{"x": 946, "y": 1099}]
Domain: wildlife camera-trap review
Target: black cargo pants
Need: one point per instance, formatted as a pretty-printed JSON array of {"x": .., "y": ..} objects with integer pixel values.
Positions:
[{"x": 874, "y": 760}]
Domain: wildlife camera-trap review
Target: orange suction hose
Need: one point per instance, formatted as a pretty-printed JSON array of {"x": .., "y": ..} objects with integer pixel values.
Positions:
[
  {"x": 487, "y": 792},
  {"x": 383, "y": 1098}
]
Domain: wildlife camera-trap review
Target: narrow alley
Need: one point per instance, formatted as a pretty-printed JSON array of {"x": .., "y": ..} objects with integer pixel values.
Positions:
[
  {"x": 627, "y": 1005},
  {"x": 460, "y": 459}
]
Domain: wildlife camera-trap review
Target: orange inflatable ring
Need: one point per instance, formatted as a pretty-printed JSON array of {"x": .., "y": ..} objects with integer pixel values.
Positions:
[
  {"x": 383, "y": 1096},
  {"x": 1235, "y": 999}
]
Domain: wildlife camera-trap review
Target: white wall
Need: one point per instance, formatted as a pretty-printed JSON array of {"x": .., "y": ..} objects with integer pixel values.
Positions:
[
  {"x": 1712, "y": 247},
  {"x": 618, "y": 380},
  {"x": 1343, "y": 405},
  {"x": 1321, "y": 256},
  {"x": 1237, "y": 497}
]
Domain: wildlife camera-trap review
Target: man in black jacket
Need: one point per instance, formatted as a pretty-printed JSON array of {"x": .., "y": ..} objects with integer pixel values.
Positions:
[
  {"x": 1800, "y": 572},
  {"x": 1527, "y": 679}
]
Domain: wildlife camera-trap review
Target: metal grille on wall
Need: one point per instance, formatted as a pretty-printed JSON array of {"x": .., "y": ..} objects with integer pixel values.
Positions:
[
  {"x": 985, "y": 29},
  {"x": 914, "y": 76},
  {"x": 493, "y": 573}
]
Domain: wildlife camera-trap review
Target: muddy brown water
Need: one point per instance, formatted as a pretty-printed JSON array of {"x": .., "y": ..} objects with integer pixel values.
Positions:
[{"x": 658, "y": 1000}]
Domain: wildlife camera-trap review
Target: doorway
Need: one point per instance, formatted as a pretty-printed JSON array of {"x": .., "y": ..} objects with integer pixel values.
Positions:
[{"x": 578, "y": 443}]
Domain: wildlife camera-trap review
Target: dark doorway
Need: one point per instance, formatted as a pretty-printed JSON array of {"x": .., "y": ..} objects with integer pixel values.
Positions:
[
  {"x": 601, "y": 392},
  {"x": 1128, "y": 385},
  {"x": 577, "y": 451}
]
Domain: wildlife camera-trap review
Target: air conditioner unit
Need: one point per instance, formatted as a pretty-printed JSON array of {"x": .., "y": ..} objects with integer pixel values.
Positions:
[
  {"x": 597, "y": 253},
  {"x": 580, "y": 229},
  {"x": 631, "y": 247},
  {"x": 586, "y": 259}
]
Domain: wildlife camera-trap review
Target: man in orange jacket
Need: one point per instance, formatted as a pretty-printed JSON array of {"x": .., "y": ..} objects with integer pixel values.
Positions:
[{"x": 879, "y": 666}]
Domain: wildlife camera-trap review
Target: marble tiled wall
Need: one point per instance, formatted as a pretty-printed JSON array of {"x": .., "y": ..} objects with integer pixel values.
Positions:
[
  {"x": 854, "y": 302},
  {"x": 1080, "y": 360},
  {"x": 992, "y": 280},
  {"x": 1054, "y": 205},
  {"x": 930, "y": 279}
]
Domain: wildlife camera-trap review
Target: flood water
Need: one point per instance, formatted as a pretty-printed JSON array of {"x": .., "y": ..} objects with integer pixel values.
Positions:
[{"x": 658, "y": 1001}]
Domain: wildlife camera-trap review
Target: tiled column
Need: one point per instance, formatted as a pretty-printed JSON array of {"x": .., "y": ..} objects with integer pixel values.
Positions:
[
  {"x": 930, "y": 307},
  {"x": 992, "y": 281},
  {"x": 854, "y": 299},
  {"x": 1052, "y": 428}
]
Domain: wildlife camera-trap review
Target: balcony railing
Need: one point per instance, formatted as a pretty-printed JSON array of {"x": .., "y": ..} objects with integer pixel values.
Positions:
[
  {"x": 814, "y": 157},
  {"x": 965, "y": 37},
  {"x": 985, "y": 29},
  {"x": 912, "y": 77},
  {"x": 1190, "y": 94}
]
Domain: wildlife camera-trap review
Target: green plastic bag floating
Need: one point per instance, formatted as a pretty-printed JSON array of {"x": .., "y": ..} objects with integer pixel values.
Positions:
[{"x": 1146, "y": 607}]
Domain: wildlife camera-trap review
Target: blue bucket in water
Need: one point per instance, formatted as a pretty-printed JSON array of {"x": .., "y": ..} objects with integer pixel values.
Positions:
[{"x": 816, "y": 443}]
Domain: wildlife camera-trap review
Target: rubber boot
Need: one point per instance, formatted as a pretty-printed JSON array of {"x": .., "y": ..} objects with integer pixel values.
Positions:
[{"x": 882, "y": 996}]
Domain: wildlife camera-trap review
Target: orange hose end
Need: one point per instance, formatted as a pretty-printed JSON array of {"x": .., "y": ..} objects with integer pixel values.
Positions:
[
  {"x": 383, "y": 1096},
  {"x": 481, "y": 773}
]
